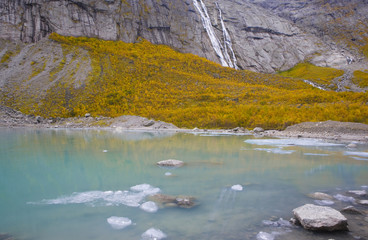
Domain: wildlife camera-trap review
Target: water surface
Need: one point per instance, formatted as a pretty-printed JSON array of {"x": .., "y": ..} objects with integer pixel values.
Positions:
[{"x": 60, "y": 184}]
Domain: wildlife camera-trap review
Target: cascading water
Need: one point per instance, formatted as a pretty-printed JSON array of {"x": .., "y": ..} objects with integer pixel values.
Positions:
[
  {"x": 227, "y": 42},
  {"x": 221, "y": 50}
]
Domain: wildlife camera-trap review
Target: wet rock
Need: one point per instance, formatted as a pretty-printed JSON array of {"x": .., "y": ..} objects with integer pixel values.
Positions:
[
  {"x": 360, "y": 193},
  {"x": 320, "y": 196},
  {"x": 170, "y": 163},
  {"x": 351, "y": 210},
  {"x": 154, "y": 234},
  {"x": 318, "y": 218},
  {"x": 119, "y": 222},
  {"x": 174, "y": 201}
]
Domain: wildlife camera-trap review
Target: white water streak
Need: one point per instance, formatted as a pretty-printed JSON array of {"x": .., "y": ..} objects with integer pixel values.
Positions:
[
  {"x": 221, "y": 50},
  {"x": 227, "y": 42}
]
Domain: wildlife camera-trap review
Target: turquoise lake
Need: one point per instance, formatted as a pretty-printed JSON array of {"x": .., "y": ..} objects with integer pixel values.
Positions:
[{"x": 65, "y": 184}]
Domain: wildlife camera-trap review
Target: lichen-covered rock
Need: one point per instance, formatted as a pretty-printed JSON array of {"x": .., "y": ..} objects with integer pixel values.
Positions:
[{"x": 318, "y": 218}]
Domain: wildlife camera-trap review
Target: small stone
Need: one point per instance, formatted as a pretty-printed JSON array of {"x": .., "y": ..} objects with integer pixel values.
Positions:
[
  {"x": 39, "y": 119},
  {"x": 351, "y": 210},
  {"x": 351, "y": 145},
  {"x": 87, "y": 115}
]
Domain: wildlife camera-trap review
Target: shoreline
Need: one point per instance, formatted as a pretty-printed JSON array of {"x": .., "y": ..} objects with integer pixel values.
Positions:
[{"x": 348, "y": 132}]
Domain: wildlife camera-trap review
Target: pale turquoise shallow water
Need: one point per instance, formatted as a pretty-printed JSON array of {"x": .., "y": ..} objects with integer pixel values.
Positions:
[{"x": 42, "y": 172}]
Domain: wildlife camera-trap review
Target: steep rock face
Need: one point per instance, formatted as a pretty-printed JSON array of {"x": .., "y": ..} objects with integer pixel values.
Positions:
[{"x": 249, "y": 36}]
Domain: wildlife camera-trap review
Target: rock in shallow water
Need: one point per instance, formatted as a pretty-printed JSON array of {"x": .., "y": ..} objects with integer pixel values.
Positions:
[
  {"x": 318, "y": 218},
  {"x": 170, "y": 163},
  {"x": 320, "y": 196},
  {"x": 351, "y": 210}
]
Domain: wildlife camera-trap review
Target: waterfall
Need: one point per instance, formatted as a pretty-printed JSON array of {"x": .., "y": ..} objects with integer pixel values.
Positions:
[
  {"x": 221, "y": 50},
  {"x": 227, "y": 42}
]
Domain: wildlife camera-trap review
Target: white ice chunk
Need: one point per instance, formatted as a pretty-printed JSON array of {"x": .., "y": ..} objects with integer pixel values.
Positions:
[
  {"x": 237, "y": 187},
  {"x": 324, "y": 202},
  {"x": 359, "y": 154},
  {"x": 168, "y": 173},
  {"x": 105, "y": 151},
  {"x": 119, "y": 222},
  {"x": 149, "y": 206},
  {"x": 141, "y": 187},
  {"x": 153, "y": 234},
  {"x": 265, "y": 236},
  {"x": 343, "y": 198},
  {"x": 275, "y": 150},
  {"x": 292, "y": 142}
]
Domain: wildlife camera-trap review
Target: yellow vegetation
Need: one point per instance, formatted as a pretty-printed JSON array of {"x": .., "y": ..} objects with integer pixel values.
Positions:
[
  {"x": 360, "y": 78},
  {"x": 157, "y": 82},
  {"x": 320, "y": 75}
]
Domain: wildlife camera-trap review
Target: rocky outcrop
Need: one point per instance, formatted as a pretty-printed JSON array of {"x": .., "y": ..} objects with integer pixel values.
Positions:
[
  {"x": 234, "y": 33},
  {"x": 317, "y": 218}
]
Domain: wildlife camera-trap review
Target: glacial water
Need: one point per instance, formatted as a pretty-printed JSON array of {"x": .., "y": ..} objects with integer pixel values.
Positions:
[{"x": 88, "y": 184}]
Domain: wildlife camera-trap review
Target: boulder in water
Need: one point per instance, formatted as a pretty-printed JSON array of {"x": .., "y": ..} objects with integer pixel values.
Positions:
[
  {"x": 319, "y": 218},
  {"x": 174, "y": 201},
  {"x": 351, "y": 210},
  {"x": 320, "y": 196},
  {"x": 170, "y": 163}
]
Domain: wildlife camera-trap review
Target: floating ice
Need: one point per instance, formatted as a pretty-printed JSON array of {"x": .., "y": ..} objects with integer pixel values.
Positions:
[
  {"x": 105, "y": 151},
  {"x": 153, "y": 234},
  {"x": 119, "y": 222},
  {"x": 168, "y": 173},
  {"x": 237, "y": 187},
  {"x": 292, "y": 142},
  {"x": 107, "y": 198},
  {"x": 149, "y": 206},
  {"x": 343, "y": 198},
  {"x": 316, "y": 154},
  {"x": 324, "y": 202},
  {"x": 275, "y": 150},
  {"x": 359, "y": 154},
  {"x": 265, "y": 236}
]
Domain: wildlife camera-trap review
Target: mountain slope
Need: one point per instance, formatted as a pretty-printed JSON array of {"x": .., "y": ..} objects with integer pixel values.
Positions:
[{"x": 84, "y": 75}]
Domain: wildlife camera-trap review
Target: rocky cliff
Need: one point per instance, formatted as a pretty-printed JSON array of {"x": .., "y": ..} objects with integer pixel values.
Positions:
[{"x": 257, "y": 35}]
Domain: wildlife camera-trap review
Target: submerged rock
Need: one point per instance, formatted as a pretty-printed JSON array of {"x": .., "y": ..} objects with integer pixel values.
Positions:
[
  {"x": 170, "y": 163},
  {"x": 320, "y": 196},
  {"x": 344, "y": 198},
  {"x": 119, "y": 222},
  {"x": 154, "y": 234},
  {"x": 174, "y": 201},
  {"x": 318, "y": 218},
  {"x": 324, "y": 202},
  {"x": 351, "y": 210},
  {"x": 363, "y": 202}
]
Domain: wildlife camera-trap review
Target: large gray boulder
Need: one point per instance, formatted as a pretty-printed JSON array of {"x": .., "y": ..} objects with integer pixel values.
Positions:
[{"x": 318, "y": 218}]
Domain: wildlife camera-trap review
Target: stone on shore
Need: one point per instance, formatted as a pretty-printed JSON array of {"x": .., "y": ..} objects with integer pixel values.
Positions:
[
  {"x": 170, "y": 163},
  {"x": 319, "y": 218},
  {"x": 320, "y": 196}
]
